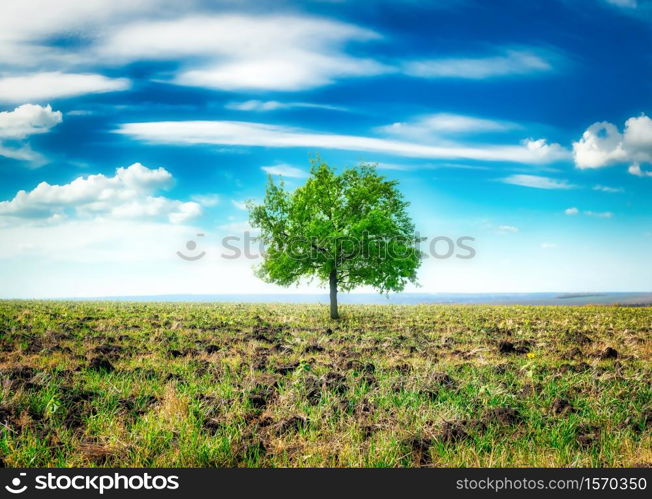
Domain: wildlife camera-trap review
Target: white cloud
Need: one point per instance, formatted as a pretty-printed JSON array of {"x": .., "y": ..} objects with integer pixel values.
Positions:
[
  {"x": 546, "y": 245},
  {"x": 18, "y": 125},
  {"x": 273, "y": 105},
  {"x": 285, "y": 171},
  {"x": 507, "y": 229},
  {"x": 207, "y": 200},
  {"x": 128, "y": 194},
  {"x": 445, "y": 123},
  {"x": 241, "y": 205},
  {"x": 537, "y": 182},
  {"x": 26, "y": 120},
  {"x": 279, "y": 52},
  {"x": 628, "y": 4},
  {"x": 38, "y": 87},
  {"x": 23, "y": 153},
  {"x": 635, "y": 169},
  {"x": 603, "y": 214},
  {"x": 240, "y": 133},
  {"x": 511, "y": 62},
  {"x": 606, "y": 188},
  {"x": 600, "y": 214},
  {"x": 256, "y": 105},
  {"x": 544, "y": 151},
  {"x": 602, "y": 144},
  {"x": 216, "y": 50},
  {"x": 26, "y": 26}
]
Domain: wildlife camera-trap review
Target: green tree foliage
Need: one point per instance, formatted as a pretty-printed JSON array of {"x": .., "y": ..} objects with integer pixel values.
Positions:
[{"x": 349, "y": 229}]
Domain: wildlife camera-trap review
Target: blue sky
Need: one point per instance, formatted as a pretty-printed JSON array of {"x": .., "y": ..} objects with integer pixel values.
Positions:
[{"x": 128, "y": 128}]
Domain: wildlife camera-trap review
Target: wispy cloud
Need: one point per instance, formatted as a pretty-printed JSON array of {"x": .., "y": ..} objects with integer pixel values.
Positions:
[
  {"x": 606, "y": 188},
  {"x": 285, "y": 171},
  {"x": 507, "y": 63},
  {"x": 627, "y": 4},
  {"x": 240, "y": 133},
  {"x": 507, "y": 229},
  {"x": 273, "y": 105},
  {"x": 537, "y": 182},
  {"x": 241, "y": 205},
  {"x": 445, "y": 124},
  {"x": 208, "y": 200},
  {"x": 599, "y": 214},
  {"x": 262, "y": 52},
  {"x": 43, "y": 87},
  {"x": 589, "y": 213}
]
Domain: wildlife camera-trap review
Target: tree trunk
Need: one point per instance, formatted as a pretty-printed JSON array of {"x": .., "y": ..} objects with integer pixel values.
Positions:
[{"x": 333, "y": 285}]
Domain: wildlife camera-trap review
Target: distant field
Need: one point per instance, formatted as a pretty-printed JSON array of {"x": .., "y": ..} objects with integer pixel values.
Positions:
[{"x": 144, "y": 384}]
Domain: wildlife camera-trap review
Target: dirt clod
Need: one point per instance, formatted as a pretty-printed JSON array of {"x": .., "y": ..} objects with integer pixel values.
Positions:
[
  {"x": 608, "y": 353},
  {"x": 503, "y": 415},
  {"x": 101, "y": 364},
  {"x": 291, "y": 424},
  {"x": 453, "y": 431},
  {"x": 561, "y": 406},
  {"x": 420, "y": 449},
  {"x": 587, "y": 435},
  {"x": 210, "y": 349},
  {"x": 507, "y": 347}
]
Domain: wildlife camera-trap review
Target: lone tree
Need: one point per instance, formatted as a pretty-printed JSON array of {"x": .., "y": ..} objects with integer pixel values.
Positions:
[{"x": 349, "y": 229}]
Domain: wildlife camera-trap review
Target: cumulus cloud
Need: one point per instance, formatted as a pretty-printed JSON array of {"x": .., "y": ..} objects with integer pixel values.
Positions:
[
  {"x": 18, "y": 125},
  {"x": 37, "y": 87},
  {"x": 284, "y": 171},
  {"x": 537, "y": 182},
  {"x": 602, "y": 144},
  {"x": 635, "y": 169},
  {"x": 571, "y": 211},
  {"x": 509, "y": 63},
  {"x": 128, "y": 194},
  {"x": 26, "y": 120},
  {"x": 241, "y": 133}
]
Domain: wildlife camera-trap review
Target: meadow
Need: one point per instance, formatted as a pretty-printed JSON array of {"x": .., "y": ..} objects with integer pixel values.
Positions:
[{"x": 246, "y": 385}]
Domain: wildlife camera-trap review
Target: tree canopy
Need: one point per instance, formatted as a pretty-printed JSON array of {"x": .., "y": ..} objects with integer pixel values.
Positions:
[{"x": 349, "y": 229}]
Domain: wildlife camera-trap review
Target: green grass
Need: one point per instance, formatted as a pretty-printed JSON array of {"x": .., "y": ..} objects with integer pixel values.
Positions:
[{"x": 281, "y": 385}]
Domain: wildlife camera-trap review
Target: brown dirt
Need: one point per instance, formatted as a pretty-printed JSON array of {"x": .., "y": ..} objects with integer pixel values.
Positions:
[
  {"x": 608, "y": 353},
  {"x": 100, "y": 364},
  {"x": 561, "y": 407}
]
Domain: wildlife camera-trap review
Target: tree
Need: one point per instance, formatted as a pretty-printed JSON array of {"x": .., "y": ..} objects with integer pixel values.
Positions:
[{"x": 349, "y": 229}]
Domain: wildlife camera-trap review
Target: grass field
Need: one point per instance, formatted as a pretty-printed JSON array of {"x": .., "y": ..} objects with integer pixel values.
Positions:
[{"x": 108, "y": 384}]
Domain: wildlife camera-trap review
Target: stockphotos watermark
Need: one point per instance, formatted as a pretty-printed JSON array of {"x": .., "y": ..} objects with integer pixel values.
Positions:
[
  {"x": 92, "y": 483},
  {"x": 252, "y": 247}
]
